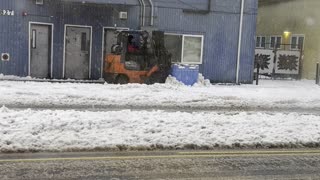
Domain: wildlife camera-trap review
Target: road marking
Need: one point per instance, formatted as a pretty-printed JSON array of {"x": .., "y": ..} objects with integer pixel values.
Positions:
[
  {"x": 252, "y": 152},
  {"x": 180, "y": 155}
]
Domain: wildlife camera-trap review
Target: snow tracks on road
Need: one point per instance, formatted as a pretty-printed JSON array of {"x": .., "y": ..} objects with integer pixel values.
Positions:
[{"x": 271, "y": 95}]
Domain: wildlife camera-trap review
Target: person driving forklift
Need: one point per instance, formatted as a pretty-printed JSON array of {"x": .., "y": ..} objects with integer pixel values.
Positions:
[{"x": 132, "y": 48}]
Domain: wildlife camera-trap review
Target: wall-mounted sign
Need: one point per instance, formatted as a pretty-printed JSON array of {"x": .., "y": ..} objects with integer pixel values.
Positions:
[{"x": 5, "y": 12}]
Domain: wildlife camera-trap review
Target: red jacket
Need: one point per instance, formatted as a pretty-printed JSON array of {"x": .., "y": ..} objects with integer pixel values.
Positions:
[{"x": 132, "y": 48}]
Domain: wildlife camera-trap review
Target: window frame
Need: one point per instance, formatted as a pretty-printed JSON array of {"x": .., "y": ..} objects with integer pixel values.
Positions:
[
  {"x": 260, "y": 42},
  {"x": 182, "y": 47},
  {"x": 297, "y": 45},
  {"x": 276, "y": 37}
]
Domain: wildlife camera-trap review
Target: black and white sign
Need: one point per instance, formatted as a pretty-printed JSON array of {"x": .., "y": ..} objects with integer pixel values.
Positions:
[
  {"x": 5, "y": 12},
  {"x": 287, "y": 62},
  {"x": 265, "y": 55}
]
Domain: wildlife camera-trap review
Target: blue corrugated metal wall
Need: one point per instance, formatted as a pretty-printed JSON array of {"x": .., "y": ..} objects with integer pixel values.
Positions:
[
  {"x": 220, "y": 28},
  {"x": 14, "y": 30},
  {"x": 221, "y": 31},
  {"x": 248, "y": 42}
]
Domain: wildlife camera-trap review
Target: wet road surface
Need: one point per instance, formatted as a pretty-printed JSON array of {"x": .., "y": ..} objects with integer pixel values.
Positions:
[{"x": 227, "y": 164}]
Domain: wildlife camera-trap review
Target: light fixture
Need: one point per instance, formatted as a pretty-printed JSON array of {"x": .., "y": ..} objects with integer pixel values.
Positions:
[
  {"x": 5, "y": 56},
  {"x": 286, "y": 34}
]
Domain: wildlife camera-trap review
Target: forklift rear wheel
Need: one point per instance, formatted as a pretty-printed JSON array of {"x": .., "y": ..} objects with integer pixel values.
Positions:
[{"x": 122, "y": 79}]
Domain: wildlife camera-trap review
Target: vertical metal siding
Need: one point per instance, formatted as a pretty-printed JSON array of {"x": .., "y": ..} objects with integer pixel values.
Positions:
[
  {"x": 220, "y": 28},
  {"x": 248, "y": 42},
  {"x": 247, "y": 51},
  {"x": 15, "y": 37},
  {"x": 126, "y": 2},
  {"x": 8, "y": 25},
  {"x": 188, "y": 4},
  {"x": 98, "y": 17}
]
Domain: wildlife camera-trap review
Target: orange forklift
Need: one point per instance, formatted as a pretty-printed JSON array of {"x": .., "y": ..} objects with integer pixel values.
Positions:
[{"x": 138, "y": 57}]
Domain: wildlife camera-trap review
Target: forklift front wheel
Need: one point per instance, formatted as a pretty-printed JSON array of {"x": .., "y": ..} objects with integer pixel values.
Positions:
[{"x": 122, "y": 79}]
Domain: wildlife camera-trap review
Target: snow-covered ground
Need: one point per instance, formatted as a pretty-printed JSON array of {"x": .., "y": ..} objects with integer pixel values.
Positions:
[
  {"x": 45, "y": 128},
  {"x": 30, "y": 130},
  {"x": 270, "y": 94}
]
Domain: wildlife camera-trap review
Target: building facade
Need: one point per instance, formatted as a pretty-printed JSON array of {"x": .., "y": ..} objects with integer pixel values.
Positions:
[
  {"x": 68, "y": 39},
  {"x": 291, "y": 25}
]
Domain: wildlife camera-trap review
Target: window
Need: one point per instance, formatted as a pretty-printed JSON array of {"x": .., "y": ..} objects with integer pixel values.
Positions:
[
  {"x": 34, "y": 39},
  {"x": 275, "y": 41},
  {"x": 297, "y": 42},
  {"x": 83, "y": 41},
  {"x": 186, "y": 49},
  {"x": 173, "y": 44},
  {"x": 260, "y": 42}
]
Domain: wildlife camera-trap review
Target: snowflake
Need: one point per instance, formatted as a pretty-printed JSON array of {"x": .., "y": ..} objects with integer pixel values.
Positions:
[{"x": 288, "y": 62}]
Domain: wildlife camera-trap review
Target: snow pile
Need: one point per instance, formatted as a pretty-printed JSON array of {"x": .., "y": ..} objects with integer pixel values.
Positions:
[
  {"x": 32, "y": 79},
  {"x": 47, "y": 130},
  {"x": 3, "y": 109},
  {"x": 11, "y": 77},
  {"x": 173, "y": 81},
  {"x": 202, "y": 81}
]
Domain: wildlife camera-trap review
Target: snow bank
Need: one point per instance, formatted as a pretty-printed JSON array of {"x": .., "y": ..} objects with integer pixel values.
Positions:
[
  {"x": 11, "y": 77},
  {"x": 269, "y": 95},
  {"x": 173, "y": 81},
  {"x": 201, "y": 81},
  {"x": 47, "y": 130},
  {"x": 3, "y": 109},
  {"x": 32, "y": 79}
]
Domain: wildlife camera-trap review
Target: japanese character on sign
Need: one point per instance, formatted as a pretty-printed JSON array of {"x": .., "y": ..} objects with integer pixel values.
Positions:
[
  {"x": 5, "y": 12},
  {"x": 10, "y": 13}
]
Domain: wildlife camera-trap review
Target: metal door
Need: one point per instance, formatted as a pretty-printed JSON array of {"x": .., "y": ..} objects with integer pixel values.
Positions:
[
  {"x": 110, "y": 39},
  {"x": 40, "y": 51},
  {"x": 77, "y": 52}
]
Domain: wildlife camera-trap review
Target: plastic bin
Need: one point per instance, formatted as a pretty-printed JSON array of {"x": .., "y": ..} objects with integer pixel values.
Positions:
[{"x": 187, "y": 74}]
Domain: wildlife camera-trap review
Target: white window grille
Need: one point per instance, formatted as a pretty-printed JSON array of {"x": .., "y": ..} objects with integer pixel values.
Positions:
[
  {"x": 275, "y": 41},
  {"x": 261, "y": 42},
  {"x": 297, "y": 42}
]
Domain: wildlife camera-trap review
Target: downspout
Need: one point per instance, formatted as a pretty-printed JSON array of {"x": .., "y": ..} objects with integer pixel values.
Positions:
[
  {"x": 144, "y": 13},
  {"x": 240, "y": 43},
  {"x": 141, "y": 12},
  {"x": 152, "y": 12}
]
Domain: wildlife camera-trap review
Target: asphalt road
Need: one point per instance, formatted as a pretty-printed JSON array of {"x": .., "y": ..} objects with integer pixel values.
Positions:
[{"x": 284, "y": 164}]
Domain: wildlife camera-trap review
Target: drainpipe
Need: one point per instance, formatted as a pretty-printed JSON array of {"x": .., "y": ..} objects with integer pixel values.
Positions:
[
  {"x": 152, "y": 12},
  {"x": 239, "y": 43},
  {"x": 143, "y": 12}
]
